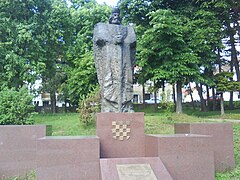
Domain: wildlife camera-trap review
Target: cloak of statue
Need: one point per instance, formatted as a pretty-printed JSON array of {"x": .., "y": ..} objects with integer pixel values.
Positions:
[{"x": 114, "y": 55}]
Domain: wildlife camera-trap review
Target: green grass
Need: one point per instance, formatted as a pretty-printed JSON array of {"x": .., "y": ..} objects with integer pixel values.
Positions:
[
  {"x": 65, "y": 124},
  {"x": 155, "y": 123},
  {"x": 29, "y": 176}
]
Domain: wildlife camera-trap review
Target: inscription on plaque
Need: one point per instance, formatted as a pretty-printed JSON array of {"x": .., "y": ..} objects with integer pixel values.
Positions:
[
  {"x": 121, "y": 130},
  {"x": 135, "y": 172}
]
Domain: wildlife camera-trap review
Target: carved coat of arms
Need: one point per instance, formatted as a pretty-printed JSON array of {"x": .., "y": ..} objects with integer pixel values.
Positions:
[{"x": 121, "y": 130}]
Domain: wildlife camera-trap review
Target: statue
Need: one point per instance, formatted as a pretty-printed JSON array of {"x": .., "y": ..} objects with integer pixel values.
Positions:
[{"x": 114, "y": 55}]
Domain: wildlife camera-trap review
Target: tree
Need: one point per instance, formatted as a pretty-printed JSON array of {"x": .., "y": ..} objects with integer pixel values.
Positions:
[
  {"x": 228, "y": 13},
  {"x": 224, "y": 83},
  {"x": 21, "y": 50},
  {"x": 58, "y": 33},
  {"x": 34, "y": 36},
  {"x": 81, "y": 73},
  {"x": 199, "y": 26},
  {"x": 169, "y": 55},
  {"x": 205, "y": 38}
]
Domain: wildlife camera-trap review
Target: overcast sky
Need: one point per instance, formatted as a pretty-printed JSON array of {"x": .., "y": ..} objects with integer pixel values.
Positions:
[{"x": 108, "y": 2}]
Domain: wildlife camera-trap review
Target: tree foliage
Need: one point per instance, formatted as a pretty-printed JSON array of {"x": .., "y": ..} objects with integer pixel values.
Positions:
[
  {"x": 224, "y": 82},
  {"x": 82, "y": 78},
  {"x": 180, "y": 40},
  {"x": 21, "y": 50}
]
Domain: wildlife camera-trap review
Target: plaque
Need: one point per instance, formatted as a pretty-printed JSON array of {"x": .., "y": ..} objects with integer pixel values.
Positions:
[{"x": 135, "y": 172}]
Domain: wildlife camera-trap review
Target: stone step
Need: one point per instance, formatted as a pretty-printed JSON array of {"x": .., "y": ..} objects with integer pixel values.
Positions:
[{"x": 141, "y": 168}]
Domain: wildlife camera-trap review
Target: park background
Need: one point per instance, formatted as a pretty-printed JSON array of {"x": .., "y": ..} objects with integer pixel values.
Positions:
[{"x": 183, "y": 47}]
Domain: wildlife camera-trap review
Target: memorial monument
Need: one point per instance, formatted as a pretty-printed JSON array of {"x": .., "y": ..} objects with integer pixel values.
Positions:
[
  {"x": 120, "y": 150},
  {"x": 114, "y": 55}
]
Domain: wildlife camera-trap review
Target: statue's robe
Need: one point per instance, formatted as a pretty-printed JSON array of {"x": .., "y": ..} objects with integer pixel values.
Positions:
[{"x": 114, "y": 55}]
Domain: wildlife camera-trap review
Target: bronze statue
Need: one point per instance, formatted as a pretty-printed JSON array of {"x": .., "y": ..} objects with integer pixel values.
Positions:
[{"x": 114, "y": 54}]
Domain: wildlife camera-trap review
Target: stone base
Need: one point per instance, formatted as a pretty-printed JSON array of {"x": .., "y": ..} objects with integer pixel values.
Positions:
[
  {"x": 122, "y": 145},
  {"x": 186, "y": 157},
  {"x": 221, "y": 141},
  {"x": 18, "y": 149},
  {"x": 109, "y": 169},
  {"x": 68, "y": 158}
]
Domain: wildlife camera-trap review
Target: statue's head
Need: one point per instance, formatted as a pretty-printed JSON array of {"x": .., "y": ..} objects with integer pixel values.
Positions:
[
  {"x": 116, "y": 10},
  {"x": 115, "y": 17}
]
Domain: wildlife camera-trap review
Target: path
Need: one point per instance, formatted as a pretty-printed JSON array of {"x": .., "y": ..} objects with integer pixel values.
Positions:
[{"x": 225, "y": 120}]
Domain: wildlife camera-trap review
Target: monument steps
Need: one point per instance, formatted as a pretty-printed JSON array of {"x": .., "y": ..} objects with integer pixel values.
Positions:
[{"x": 141, "y": 168}]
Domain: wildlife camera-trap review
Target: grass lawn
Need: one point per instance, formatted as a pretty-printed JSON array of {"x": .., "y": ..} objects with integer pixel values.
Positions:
[{"x": 155, "y": 123}]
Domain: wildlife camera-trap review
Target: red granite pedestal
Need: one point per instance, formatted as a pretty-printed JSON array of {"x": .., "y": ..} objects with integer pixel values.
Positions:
[
  {"x": 68, "y": 158},
  {"x": 186, "y": 157},
  {"x": 121, "y": 135},
  {"x": 195, "y": 152},
  {"x": 18, "y": 149},
  {"x": 109, "y": 170},
  {"x": 221, "y": 141}
]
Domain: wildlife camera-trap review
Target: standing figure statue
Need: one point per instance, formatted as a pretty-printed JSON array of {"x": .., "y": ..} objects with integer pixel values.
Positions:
[{"x": 114, "y": 55}]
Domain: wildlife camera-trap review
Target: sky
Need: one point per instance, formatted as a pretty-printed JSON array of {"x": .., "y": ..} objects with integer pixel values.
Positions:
[{"x": 108, "y": 2}]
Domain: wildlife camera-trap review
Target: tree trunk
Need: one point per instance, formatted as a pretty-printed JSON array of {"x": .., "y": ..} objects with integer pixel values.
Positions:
[
  {"x": 234, "y": 58},
  {"x": 65, "y": 104},
  {"x": 155, "y": 100},
  {"x": 143, "y": 94},
  {"x": 174, "y": 96},
  {"x": 214, "y": 99},
  {"x": 193, "y": 104},
  {"x": 164, "y": 96},
  {"x": 203, "y": 102},
  {"x": 179, "y": 98},
  {"x": 222, "y": 105},
  {"x": 163, "y": 86},
  {"x": 53, "y": 101},
  {"x": 231, "y": 106},
  {"x": 208, "y": 98}
]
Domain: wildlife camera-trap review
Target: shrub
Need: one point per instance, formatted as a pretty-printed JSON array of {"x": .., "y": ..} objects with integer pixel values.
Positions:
[
  {"x": 89, "y": 106},
  {"x": 15, "y": 107}
]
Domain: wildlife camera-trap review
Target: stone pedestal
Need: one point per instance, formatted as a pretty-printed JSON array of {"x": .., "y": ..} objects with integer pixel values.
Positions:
[
  {"x": 221, "y": 141},
  {"x": 68, "y": 158},
  {"x": 186, "y": 157},
  {"x": 121, "y": 135},
  {"x": 156, "y": 169},
  {"x": 125, "y": 151},
  {"x": 18, "y": 149}
]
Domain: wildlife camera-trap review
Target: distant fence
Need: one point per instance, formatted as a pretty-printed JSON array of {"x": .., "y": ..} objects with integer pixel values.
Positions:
[
  {"x": 138, "y": 107},
  {"x": 47, "y": 109}
]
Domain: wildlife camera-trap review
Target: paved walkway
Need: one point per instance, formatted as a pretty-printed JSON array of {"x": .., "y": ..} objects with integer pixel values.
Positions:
[{"x": 225, "y": 120}]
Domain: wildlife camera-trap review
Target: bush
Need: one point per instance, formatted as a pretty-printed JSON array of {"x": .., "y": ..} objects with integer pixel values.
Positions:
[
  {"x": 89, "y": 106},
  {"x": 15, "y": 107},
  {"x": 166, "y": 105}
]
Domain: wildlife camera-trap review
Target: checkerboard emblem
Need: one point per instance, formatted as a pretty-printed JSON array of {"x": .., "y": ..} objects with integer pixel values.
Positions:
[{"x": 121, "y": 130}]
